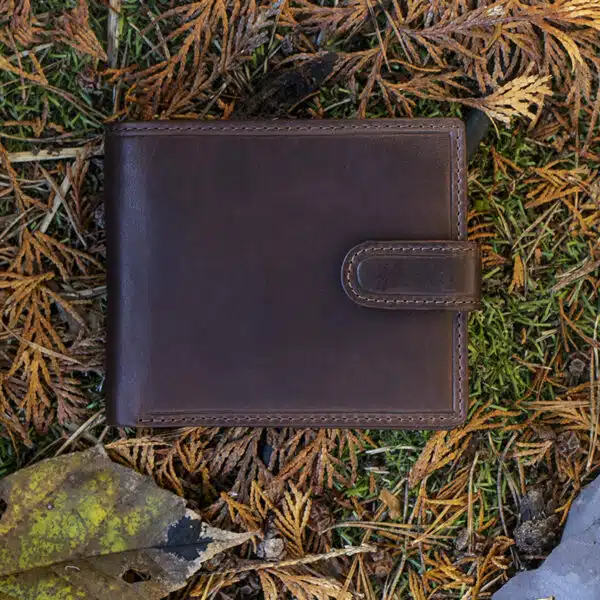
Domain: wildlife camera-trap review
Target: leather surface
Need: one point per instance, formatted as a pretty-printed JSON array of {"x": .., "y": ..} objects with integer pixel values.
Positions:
[
  {"x": 225, "y": 245},
  {"x": 443, "y": 275}
]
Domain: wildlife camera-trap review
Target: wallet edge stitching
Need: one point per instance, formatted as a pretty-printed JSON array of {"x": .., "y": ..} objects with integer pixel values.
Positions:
[{"x": 363, "y": 420}]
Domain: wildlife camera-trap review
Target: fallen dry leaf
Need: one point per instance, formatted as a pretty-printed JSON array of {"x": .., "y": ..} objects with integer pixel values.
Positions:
[
  {"x": 518, "y": 278},
  {"x": 81, "y": 527},
  {"x": 392, "y": 503}
]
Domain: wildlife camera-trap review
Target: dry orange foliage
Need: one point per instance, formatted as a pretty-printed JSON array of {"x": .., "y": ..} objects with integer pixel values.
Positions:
[
  {"x": 505, "y": 57},
  {"x": 433, "y": 533}
]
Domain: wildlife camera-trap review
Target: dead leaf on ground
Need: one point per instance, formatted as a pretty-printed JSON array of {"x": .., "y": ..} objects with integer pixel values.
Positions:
[
  {"x": 392, "y": 503},
  {"x": 80, "y": 526},
  {"x": 518, "y": 277}
]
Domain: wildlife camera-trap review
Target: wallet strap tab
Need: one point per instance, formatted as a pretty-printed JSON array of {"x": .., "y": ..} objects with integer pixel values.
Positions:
[{"x": 442, "y": 275}]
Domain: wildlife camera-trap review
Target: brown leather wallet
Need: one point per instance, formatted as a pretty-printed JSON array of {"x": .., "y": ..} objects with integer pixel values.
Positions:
[{"x": 288, "y": 273}]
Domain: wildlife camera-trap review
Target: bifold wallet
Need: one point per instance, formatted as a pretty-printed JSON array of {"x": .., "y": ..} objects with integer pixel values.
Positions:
[{"x": 288, "y": 273}]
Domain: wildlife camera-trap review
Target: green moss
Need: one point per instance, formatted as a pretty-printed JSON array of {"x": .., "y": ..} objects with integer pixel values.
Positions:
[{"x": 50, "y": 588}]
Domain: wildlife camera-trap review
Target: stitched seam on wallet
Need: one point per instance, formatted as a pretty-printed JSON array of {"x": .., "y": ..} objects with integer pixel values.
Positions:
[
  {"x": 226, "y": 128},
  {"x": 397, "y": 249},
  {"x": 458, "y": 194},
  {"x": 358, "y": 419}
]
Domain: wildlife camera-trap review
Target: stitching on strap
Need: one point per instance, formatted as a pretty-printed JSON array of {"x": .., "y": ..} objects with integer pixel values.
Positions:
[{"x": 375, "y": 248}]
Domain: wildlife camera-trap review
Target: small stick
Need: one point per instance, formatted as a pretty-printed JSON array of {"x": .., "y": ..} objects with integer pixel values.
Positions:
[
  {"x": 10, "y": 226},
  {"x": 470, "y": 503},
  {"x": 59, "y": 195},
  {"x": 499, "y": 482},
  {"x": 62, "y": 153},
  {"x": 103, "y": 434},
  {"x": 305, "y": 560},
  {"x": 58, "y": 199},
  {"x": 86, "y": 435},
  {"x": 499, "y": 493},
  {"x": 114, "y": 8},
  {"x": 88, "y": 293},
  {"x": 594, "y": 382},
  {"x": 390, "y": 586},
  {"x": 34, "y": 50},
  {"x": 43, "y": 350},
  {"x": 93, "y": 420}
]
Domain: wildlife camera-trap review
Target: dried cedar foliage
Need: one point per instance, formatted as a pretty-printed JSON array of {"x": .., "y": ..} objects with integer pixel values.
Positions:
[
  {"x": 437, "y": 518},
  {"x": 441, "y": 516},
  {"x": 505, "y": 57}
]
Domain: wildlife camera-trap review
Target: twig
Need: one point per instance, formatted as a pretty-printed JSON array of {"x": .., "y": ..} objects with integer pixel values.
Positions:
[
  {"x": 41, "y": 140},
  {"x": 305, "y": 560},
  {"x": 405, "y": 507},
  {"x": 93, "y": 420},
  {"x": 153, "y": 47},
  {"x": 103, "y": 434},
  {"x": 42, "y": 452},
  {"x": 391, "y": 528},
  {"x": 470, "y": 503},
  {"x": 499, "y": 482},
  {"x": 574, "y": 275},
  {"x": 60, "y": 154},
  {"x": 43, "y": 350},
  {"x": 546, "y": 216},
  {"x": 422, "y": 557},
  {"x": 59, "y": 198},
  {"x": 378, "y": 33},
  {"x": 350, "y": 576},
  {"x": 565, "y": 319},
  {"x": 86, "y": 435},
  {"x": 18, "y": 57},
  {"x": 388, "y": 590},
  {"x": 159, "y": 33},
  {"x": 213, "y": 100},
  {"x": 492, "y": 582},
  {"x": 499, "y": 493},
  {"x": 87, "y": 293},
  {"x": 112, "y": 50},
  {"x": 594, "y": 381},
  {"x": 92, "y": 114},
  {"x": 15, "y": 221},
  {"x": 33, "y": 50}
]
